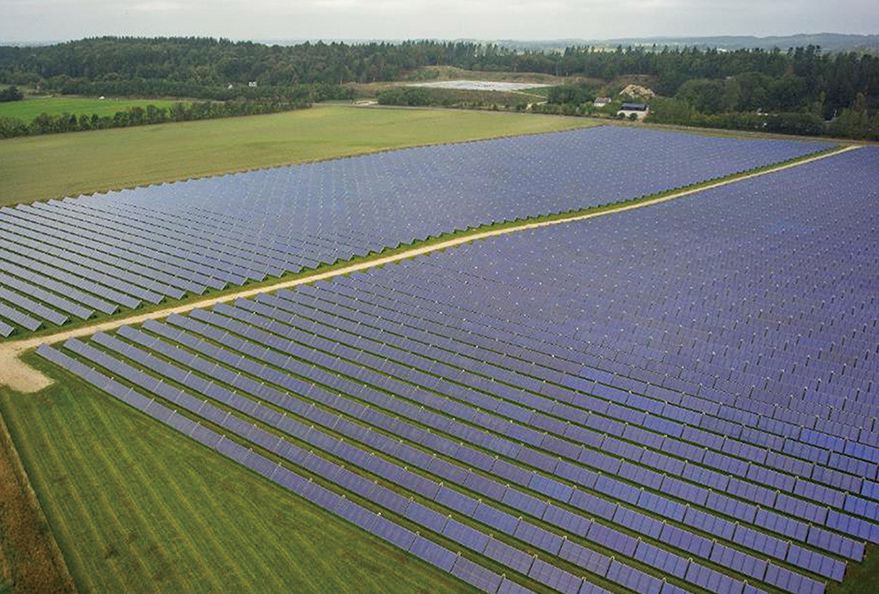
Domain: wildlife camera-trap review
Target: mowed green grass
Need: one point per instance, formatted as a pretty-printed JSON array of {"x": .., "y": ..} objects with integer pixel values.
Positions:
[
  {"x": 138, "y": 507},
  {"x": 30, "y": 108},
  {"x": 43, "y": 167}
]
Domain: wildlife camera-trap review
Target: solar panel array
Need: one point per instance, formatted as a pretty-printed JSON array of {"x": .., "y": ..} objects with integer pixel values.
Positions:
[
  {"x": 675, "y": 398},
  {"x": 83, "y": 255}
]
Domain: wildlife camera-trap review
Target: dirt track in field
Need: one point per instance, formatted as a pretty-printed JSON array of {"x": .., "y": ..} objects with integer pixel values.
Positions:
[{"x": 23, "y": 378}]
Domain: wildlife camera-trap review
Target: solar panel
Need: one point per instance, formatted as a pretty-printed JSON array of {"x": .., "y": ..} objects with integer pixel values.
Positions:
[
  {"x": 47, "y": 297},
  {"x": 557, "y": 579},
  {"x": 509, "y": 587},
  {"x": 465, "y": 535},
  {"x": 22, "y": 319},
  {"x": 657, "y": 391},
  {"x": 590, "y": 560},
  {"x": 433, "y": 553},
  {"x": 150, "y": 241}
]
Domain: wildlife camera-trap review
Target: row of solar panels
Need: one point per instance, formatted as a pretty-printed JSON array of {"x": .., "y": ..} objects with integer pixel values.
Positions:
[
  {"x": 831, "y": 414},
  {"x": 527, "y": 479},
  {"x": 756, "y": 445},
  {"x": 624, "y": 454},
  {"x": 697, "y": 546},
  {"x": 834, "y": 360},
  {"x": 547, "y": 171},
  {"x": 412, "y": 542},
  {"x": 471, "y": 394},
  {"x": 103, "y": 252},
  {"x": 437, "y": 522},
  {"x": 667, "y": 414},
  {"x": 766, "y": 430}
]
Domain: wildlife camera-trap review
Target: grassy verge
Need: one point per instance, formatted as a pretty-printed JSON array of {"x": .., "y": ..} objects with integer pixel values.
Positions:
[
  {"x": 860, "y": 578},
  {"x": 30, "y": 562},
  {"x": 50, "y": 329},
  {"x": 135, "y": 507},
  {"x": 42, "y": 167}
]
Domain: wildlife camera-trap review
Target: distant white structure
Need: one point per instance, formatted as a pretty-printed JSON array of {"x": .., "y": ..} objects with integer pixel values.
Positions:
[
  {"x": 478, "y": 85},
  {"x": 601, "y": 101},
  {"x": 640, "y": 110},
  {"x": 252, "y": 84}
]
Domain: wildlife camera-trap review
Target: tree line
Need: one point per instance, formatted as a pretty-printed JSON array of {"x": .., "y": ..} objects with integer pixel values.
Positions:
[
  {"x": 805, "y": 75},
  {"x": 142, "y": 116},
  {"x": 711, "y": 85}
]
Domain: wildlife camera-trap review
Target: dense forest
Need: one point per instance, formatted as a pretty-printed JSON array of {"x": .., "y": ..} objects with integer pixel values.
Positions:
[{"x": 698, "y": 84}]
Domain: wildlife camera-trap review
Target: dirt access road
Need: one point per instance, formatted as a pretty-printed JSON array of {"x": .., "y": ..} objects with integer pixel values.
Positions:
[{"x": 23, "y": 378}]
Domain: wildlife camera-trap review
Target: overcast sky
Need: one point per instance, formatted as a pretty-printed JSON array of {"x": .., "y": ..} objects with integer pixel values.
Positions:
[{"x": 38, "y": 20}]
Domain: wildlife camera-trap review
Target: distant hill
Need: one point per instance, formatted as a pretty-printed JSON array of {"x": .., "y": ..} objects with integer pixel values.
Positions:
[{"x": 833, "y": 42}]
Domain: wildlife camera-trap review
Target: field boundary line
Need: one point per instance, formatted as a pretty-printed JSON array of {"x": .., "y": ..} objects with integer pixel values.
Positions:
[{"x": 23, "y": 378}]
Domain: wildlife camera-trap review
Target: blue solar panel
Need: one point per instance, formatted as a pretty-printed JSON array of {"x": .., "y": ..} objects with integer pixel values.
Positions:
[
  {"x": 433, "y": 553},
  {"x": 684, "y": 430},
  {"x": 476, "y": 575},
  {"x": 588, "y": 559},
  {"x": 633, "y": 579},
  {"x": 792, "y": 582},
  {"x": 22, "y": 319},
  {"x": 47, "y": 297},
  {"x": 542, "y": 539},
  {"x": 510, "y": 587},
  {"x": 557, "y": 579},
  {"x": 170, "y": 239},
  {"x": 465, "y": 535}
]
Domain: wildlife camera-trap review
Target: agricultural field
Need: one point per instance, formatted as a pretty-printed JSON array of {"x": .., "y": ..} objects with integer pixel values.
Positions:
[
  {"x": 471, "y": 408},
  {"x": 669, "y": 394},
  {"x": 120, "y": 251},
  {"x": 31, "y": 107}
]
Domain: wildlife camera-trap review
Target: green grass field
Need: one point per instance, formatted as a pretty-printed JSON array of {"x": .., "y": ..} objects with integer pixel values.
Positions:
[
  {"x": 42, "y": 167},
  {"x": 30, "y": 108},
  {"x": 135, "y": 506}
]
